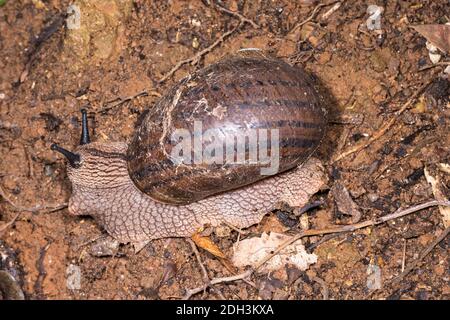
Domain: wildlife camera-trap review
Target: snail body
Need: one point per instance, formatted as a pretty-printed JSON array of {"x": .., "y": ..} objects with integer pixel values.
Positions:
[{"x": 141, "y": 191}]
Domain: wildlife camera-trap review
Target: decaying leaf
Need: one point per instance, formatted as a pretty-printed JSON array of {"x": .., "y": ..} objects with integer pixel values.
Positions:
[
  {"x": 344, "y": 202},
  {"x": 250, "y": 252},
  {"x": 438, "y": 195},
  {"x": 437, "y": 34},
  {"x": 207, "y": 244}
]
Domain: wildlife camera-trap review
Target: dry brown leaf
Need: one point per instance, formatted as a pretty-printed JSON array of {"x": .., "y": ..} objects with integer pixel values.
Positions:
[
  {"x": 438, "y": 195},
  {"x": 344, "y": 202},
  {"x": 437, "y": 34},
  {"x": 251, "y": 251},
  {"x": 207, "y": 244}
]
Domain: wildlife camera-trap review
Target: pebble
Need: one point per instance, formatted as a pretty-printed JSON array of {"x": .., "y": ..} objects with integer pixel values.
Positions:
[
  {"x": 48, "y": 170},
  {"x": 372, "y": 197},
  {"x": 104, "y": 247},
  {"x": 195, "y": 43},
  {"x": 408, "y": 118}
]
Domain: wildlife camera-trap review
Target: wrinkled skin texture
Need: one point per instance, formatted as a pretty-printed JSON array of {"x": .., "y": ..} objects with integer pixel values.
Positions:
[{"x": 103, "y": 189}]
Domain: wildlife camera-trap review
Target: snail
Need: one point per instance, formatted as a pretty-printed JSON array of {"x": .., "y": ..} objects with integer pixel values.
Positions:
[{"x": 172, "y": 178}]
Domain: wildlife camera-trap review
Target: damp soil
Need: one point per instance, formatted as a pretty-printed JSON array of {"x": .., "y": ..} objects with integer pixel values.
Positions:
[{"x": 49, "y": 72}]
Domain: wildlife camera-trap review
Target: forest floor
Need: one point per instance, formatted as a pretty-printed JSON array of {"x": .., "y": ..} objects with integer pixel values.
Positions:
[{"x": 118, "y": 63}]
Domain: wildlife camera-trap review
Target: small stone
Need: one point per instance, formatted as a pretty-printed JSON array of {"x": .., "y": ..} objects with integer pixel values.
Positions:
[
  {"x": 104, "y": 247},
  {"x": 48, "y": 170},
  {"x": 304, "y": 221},
  {"x": 374, "y": 277},
  {"x": 196, "y": 23},
  {"x": 420, "y": 106},
  {"x": 408, "y": 118},
  {"x": 372, "y": 197},
  {"x": 195, "y": 43},
  {"x": 433, "y": 53},
  {"x": 73, "y": 273}
]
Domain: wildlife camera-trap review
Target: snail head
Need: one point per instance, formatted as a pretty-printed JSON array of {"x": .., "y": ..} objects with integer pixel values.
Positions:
[
  {"x": 74, "y": 158},
  {"x": 95, "y": 164},
  {"x": 93, "y": 167}
]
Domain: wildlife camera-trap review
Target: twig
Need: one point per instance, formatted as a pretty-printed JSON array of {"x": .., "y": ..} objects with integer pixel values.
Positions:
[
  {"x": 307, "y": 233},
  {"x": 48, "y": 208},
  {"x": 204, "y": 272},
  {"x": 325, "y": 291},
  {"x": 442, "y": 63},
  {"x": 30, "y": 162},
  {"x": 238, "y": 230},
  {"x": 9, "y": 223},
  {"x": 311, "y": 16},
  {"x": 121, "y": 101},
  {"x": 42, "y": 273},
  {"x": 214, "y": 281},
  {"x": 404, "y": 255},
  {"x": 199, "y": 260},
  {"x": 422, "y": 255},
  {"x": 194, "y": 59},
  {"x": 384, "y": 128},
  {"x": 236, "y": 15},
  {"x": 324, "y": 239},
  {"x": 333, "y": 9}
]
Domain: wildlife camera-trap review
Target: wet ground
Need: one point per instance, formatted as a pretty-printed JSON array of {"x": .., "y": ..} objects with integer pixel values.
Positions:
[{"x": 123, "y": 48}]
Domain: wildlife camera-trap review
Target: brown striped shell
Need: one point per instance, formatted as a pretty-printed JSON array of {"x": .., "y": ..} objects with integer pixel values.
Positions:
[{"x": 241, "y": 92}]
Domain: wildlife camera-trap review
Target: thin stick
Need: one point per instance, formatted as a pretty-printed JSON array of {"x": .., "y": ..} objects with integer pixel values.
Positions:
[
  {"x": 327, "y": 14},
  {"x": 50, "y": 208},
  {"x": 16, "y": 207},
  {"x": 404, "y": 255},
  {"x": 442, "y": 63},
  {"x": 422, "y": 255},
  {"x": 206, "y": 278},
  {"x": 384, "y": 128},
  {"x": 194, "y": 59},
  {"x": 240, "y": 231},
  {"x": 199, "y": 260},
  {"x": 241, "y": 276},
  {"x": 312, "y": 15},
  {"x": 236, "y": 15},
  {"x": 323, "y": 284},
  {"x": 126, "y": 99},
  {"x": 9, "y": 223},
  {"x": 307, "y": 233}
]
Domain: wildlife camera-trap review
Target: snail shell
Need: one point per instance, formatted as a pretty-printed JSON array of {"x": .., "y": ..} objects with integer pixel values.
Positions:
[{"x": 242, "y": 92}]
